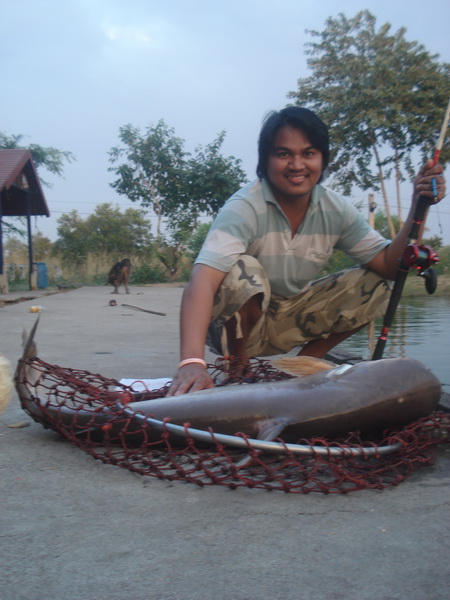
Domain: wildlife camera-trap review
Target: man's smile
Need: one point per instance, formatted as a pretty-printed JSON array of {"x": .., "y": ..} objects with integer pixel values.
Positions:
[{"x": 294, "y": 166}]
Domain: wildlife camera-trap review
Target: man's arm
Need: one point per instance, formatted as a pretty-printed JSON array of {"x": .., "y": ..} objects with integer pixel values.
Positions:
[
  {"x": 386, "y": 262},
  {"x": 195, "y": 316}
]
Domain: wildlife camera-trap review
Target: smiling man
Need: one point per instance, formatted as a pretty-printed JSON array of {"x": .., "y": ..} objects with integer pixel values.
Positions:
[{"x": 253, "y": 291}]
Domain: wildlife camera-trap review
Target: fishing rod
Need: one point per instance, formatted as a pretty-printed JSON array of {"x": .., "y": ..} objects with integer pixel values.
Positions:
[{"x": 420, "y": 257}]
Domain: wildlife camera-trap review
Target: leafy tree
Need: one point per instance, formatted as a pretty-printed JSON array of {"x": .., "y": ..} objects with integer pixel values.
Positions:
[
  {"x": 434, "y": 242},
  {"x": 41, "y": 244},
  {"x": 153, "y": 166},
  {"x": 382, "y": 224},
  {"x": 197, "y": 238},
  {"x": 118, "y": 234},
  {"x": 42, "y": 247},
  {"x": 158, "y": 172},
  {"x": 14, "y": 246},
  {"x": 72, "y": 242},
  {"x": 106, "y": 231},
  {"x": 49, "y": 158},
  {"x": 443, "y": 266},
  {"x": 338, "y": 262},
  {"x": 209, "y": 180},
  {"x": 382, "y": 96}
]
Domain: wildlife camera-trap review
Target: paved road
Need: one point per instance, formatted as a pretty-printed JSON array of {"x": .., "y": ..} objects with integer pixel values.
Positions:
[{"x": 73, "y": 528}]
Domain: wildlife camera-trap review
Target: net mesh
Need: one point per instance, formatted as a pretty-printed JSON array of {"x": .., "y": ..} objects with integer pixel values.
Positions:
[{"x": 57, "y": 397}]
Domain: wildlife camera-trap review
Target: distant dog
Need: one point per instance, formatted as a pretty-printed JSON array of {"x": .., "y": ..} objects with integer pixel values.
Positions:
[{"x": 120, "y": 274}]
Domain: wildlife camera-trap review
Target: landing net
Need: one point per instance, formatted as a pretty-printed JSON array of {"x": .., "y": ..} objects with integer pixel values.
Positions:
[{"x": 72, "y": 403}]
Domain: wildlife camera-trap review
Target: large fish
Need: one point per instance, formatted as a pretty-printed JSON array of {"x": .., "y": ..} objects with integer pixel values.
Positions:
[{"x": 366, "y": 397}]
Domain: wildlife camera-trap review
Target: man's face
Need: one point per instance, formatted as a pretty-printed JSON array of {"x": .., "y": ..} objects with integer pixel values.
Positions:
[{"x": 294, "y": 166}]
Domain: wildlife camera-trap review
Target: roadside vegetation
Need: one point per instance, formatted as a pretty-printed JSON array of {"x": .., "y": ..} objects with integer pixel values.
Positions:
[{"x": 87, "y": 249}]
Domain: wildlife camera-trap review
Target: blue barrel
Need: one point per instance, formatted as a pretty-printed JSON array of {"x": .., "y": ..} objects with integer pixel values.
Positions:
[{"x": 42, "y": 275}]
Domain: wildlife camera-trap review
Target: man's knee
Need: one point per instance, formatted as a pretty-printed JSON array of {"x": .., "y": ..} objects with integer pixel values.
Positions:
[{"x": 245, "y": 288}]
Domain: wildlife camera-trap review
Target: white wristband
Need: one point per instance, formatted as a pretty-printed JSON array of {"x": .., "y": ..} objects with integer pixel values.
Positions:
[{"x": 188, "y": 361}]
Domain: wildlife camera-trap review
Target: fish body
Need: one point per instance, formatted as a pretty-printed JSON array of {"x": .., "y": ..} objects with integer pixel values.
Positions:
[{"x": 366, "y": 397}]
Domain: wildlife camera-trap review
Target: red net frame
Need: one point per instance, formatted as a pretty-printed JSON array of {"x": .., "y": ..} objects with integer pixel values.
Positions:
[{"x": 343, "y": 465}]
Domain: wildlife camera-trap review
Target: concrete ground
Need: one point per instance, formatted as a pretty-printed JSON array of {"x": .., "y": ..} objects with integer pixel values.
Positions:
[{"x": 73, "y": 528}]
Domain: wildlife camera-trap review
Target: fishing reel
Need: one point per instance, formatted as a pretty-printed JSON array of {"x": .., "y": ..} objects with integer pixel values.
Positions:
[{"x": 422, "y": 258}]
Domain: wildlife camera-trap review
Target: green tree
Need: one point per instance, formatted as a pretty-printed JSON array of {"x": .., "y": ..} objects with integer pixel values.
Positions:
[
  {"x": 49, "y": 158},
  {"x": 106, "y": 231},
  {"x": 16, "y": 251},
  {"x": 382, "y": 96},
  {"x": 158, "y": 172},
  {"x": 209, "y": 179},
  {"x": 382, "y": 225},
  {"x": 338, "y": 262},
  {"x": 72, "y": 243},
  {"x": 443, "y": 266},
  {"x": 118, "y": 234},
  {"x": 435, "y": 242},
  {"x": 197, "y": 238},
  {"x": 42, "y": 247},
  {"x": 152, "y": 167},
  {"x": 15, "y": 246}
]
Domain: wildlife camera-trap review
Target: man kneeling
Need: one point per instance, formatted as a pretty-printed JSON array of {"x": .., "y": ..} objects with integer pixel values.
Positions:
[{"x": 252, "y": 290}]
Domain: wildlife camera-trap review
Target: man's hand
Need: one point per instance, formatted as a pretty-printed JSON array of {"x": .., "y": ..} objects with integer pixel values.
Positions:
[
  {"x": 386, "y": 262},
  {"x": 190, "y": 378},
  {"x": 424, "y": 186}
]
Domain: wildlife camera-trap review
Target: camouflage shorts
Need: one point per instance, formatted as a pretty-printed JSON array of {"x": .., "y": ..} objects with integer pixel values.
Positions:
[{"x": 334, "y": 304}]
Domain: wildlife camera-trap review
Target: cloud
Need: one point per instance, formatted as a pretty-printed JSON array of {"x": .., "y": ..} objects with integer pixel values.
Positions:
[{"x": 126, "y": 38}]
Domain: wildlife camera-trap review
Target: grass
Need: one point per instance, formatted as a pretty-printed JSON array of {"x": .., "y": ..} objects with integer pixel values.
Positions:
[{"x": 415, "y": 286}]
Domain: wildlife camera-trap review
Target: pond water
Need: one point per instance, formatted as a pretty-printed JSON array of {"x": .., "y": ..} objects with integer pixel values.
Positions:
[{"x": 421, "y": 330}]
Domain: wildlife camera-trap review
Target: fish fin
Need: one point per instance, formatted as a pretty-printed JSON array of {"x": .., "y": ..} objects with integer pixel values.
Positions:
[
  {"x": 299, "y": 366},
  {"x": 29, "y": 345},
  {"x": 267, "y": 430},
  {"x": 271, "y": 428}
]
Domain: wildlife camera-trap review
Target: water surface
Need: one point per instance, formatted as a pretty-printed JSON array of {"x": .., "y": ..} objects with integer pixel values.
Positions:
[{"x": 421, "y": 330}]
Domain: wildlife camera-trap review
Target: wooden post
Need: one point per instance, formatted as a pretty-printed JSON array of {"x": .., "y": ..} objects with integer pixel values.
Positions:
[{"x": 32, "y": 277}]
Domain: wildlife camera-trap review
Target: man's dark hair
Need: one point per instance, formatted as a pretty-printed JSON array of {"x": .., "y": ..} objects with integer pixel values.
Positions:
[{"x": 300, "y": 118}]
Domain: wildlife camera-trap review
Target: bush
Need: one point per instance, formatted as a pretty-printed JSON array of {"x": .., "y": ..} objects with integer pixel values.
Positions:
[
  {"x": 148, "y": 274},
  {"x": 443, "y": 266},
  {"x": 99, "y": 279},
  {"x": 338, "y": 262},
  {"x": 197, "y": 238}
]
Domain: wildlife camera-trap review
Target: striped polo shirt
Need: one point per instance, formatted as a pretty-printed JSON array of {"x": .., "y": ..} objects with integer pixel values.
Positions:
[{"x": 252, "y": 222}]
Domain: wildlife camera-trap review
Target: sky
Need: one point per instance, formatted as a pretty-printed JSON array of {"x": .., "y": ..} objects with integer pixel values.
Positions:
[{"x": 74, "y": 71}]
